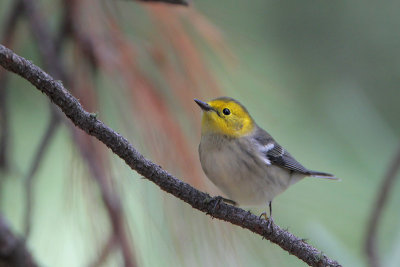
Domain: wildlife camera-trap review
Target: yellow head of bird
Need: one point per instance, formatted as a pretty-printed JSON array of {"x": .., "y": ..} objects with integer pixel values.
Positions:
[{"x": 225, "y": 116}]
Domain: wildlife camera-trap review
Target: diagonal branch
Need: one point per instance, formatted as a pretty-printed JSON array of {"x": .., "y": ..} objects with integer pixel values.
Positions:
[
  {"x": 371, "y": 242},
  {"x": 121, "y": 147},
  {"x": 13, "y": 251}
]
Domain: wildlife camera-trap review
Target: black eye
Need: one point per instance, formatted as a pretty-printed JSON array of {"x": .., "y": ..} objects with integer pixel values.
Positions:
[{"x": 226, "y": 111}]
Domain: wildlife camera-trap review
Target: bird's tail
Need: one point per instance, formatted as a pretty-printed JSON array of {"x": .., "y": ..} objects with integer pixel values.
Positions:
[{"x": 323, "y": 175}]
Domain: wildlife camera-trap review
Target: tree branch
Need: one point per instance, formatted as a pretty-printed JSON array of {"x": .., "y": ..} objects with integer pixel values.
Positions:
[
  {"x": 371, "y": 248},
  {"x": 120, "y": 146},
  {"x": 13, "y": 252}
]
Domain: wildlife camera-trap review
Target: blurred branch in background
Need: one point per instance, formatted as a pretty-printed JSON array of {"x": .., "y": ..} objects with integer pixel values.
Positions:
[
  {"x": 120, "y": 146},
  {"x": 51, "y": 59},
  {"x": 13, "y": 251},
  {"x": 50, "y": 50},
  {"x": 52, "y": 126},
  {"x": 44, "y": 40},
  {"x": 105, "y": 251},
  {"x": 371, "y": 242},
  {"x": 111, "y": 200},
  {"x": 4, "y": 124},
  {"x": 7, "y": 39}
]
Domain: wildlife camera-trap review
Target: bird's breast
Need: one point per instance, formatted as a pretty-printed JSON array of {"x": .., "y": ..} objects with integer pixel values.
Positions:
[{"x": 236, "y": 167}]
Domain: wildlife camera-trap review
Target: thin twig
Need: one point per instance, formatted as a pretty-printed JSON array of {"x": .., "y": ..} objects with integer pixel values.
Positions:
[
  {"x": 371, "y": 242},
  {"x": 13, "y": 251},
  {"x": 54, "y": 122},
  {"x": 121, "y": 147}
]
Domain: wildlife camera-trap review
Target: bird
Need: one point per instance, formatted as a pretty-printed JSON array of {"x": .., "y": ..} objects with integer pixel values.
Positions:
[{"x": 242, "y": 159}]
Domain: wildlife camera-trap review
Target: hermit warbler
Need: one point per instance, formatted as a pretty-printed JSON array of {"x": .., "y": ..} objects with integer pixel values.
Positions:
[{"x": 242, "y": 159}]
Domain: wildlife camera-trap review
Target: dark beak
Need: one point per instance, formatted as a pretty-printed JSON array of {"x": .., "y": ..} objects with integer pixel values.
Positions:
[{"x": 203, "y": 105}]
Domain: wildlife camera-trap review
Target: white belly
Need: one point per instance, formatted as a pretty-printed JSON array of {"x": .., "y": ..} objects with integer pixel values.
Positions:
[{"x": 247, "y": 180}]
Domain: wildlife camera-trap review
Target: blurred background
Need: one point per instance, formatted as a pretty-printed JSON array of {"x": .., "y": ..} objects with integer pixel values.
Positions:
[{"x": 321, "y": 76}]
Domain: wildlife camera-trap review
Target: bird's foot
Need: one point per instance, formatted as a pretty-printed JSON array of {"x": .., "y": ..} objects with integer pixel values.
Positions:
[
  {"x": 229, "y": 201},
  {"x": 218, "y": 199},
  {"x": 269, "y": 219}
]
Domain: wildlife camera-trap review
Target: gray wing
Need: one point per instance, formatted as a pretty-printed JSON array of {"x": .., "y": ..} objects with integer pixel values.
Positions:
[{"x": 278, "y": 156}]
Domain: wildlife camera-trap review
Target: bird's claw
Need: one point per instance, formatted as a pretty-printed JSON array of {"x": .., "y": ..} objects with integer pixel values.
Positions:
[
  {"x": 270, "y": 220},
  {"x": 217, "y": 201},
  {"x": 229, "y": 201}
]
